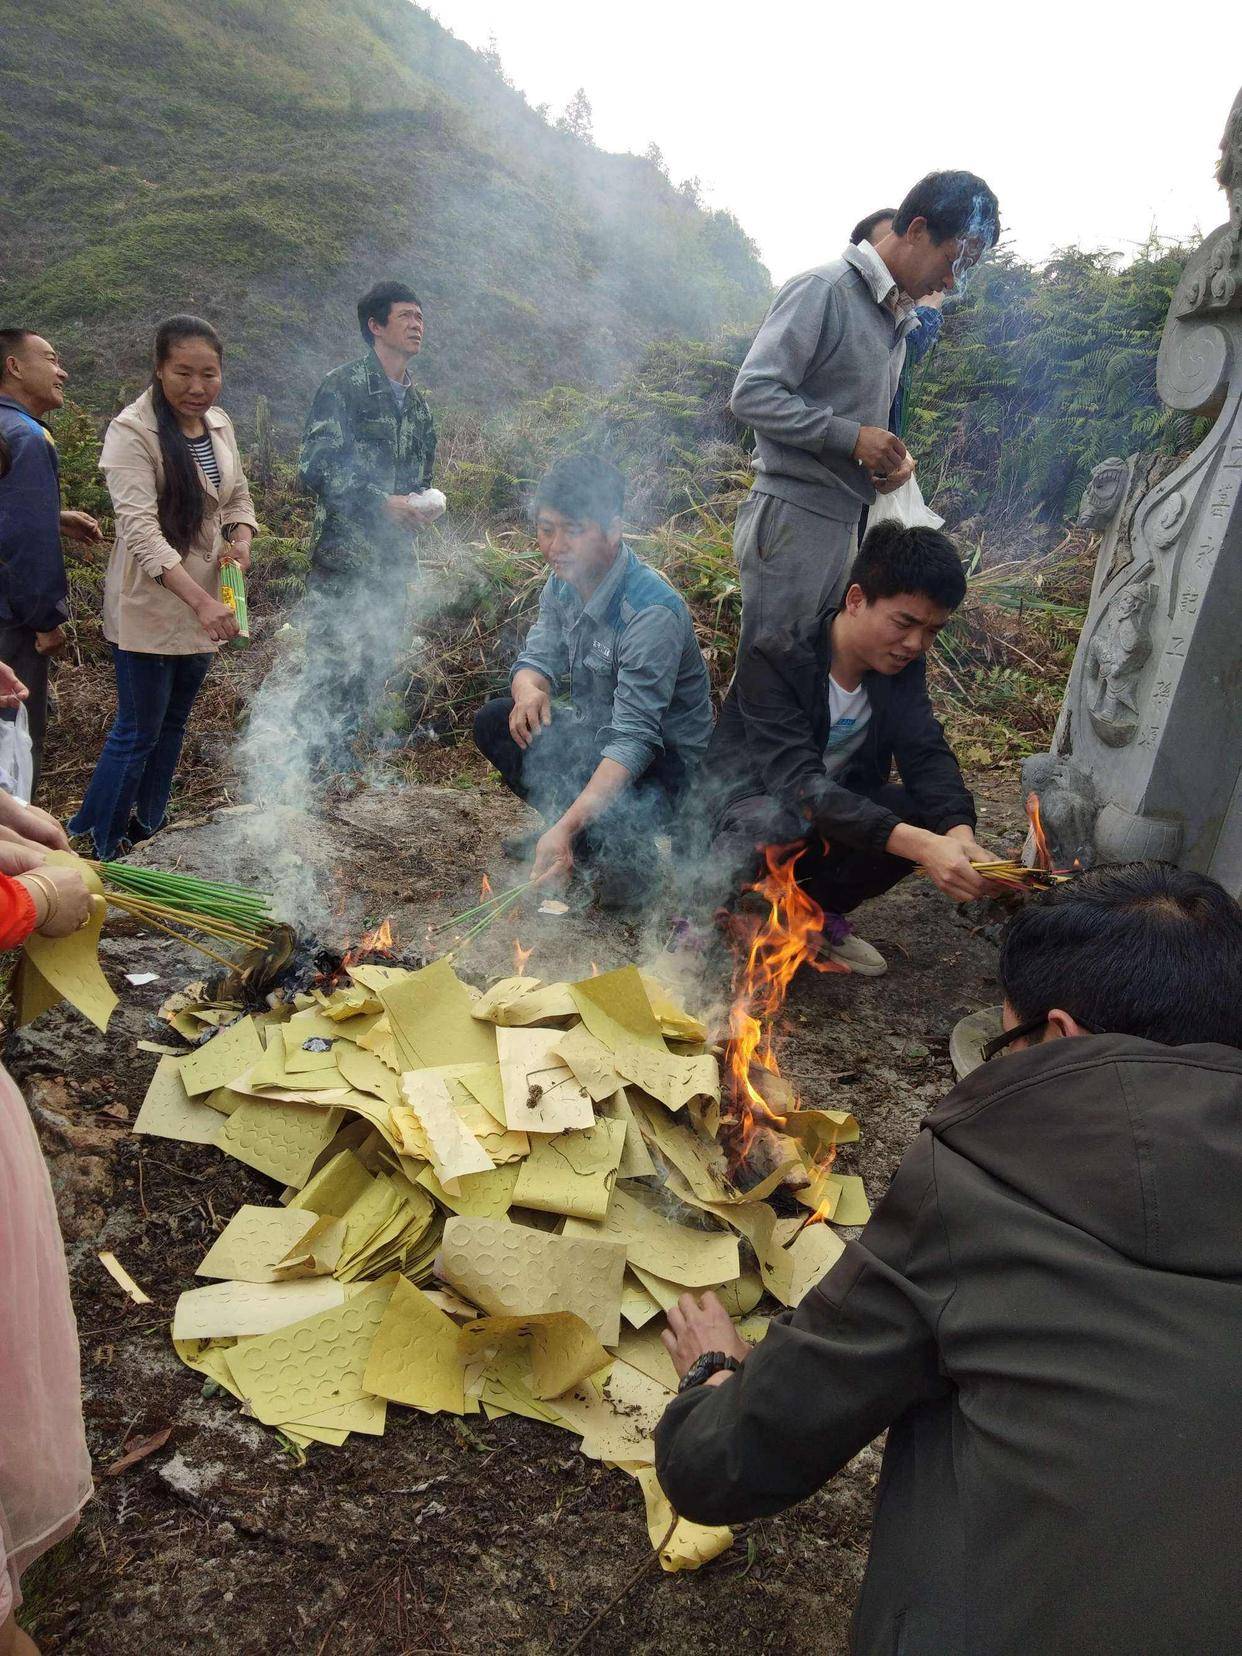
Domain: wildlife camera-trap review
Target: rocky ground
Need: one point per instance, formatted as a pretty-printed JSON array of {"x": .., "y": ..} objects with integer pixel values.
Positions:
[{"x": 443, "y": 1535}]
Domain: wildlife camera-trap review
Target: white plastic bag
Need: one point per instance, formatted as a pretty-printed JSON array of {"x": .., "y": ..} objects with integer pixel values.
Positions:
[
  {"x": 429, "y": 503},
  {"x": 16, "y": 757},
  {"x": 905, "y": 506}
]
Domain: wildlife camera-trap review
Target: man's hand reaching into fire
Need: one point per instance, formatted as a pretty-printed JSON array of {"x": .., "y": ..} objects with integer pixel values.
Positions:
[
  {"x": 554, "y": 856},
  {"x": 699, "y": 1325}
]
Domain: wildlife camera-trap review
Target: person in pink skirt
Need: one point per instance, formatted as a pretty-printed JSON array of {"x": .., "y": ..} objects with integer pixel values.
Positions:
[{"x": 45, "y": 1471}]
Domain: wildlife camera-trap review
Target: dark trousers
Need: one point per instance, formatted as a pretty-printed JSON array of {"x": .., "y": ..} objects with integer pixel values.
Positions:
[
  {"x": 839, "y": 878},
  {"x": 554, "y": 769},
  {"x": 127, "y": 798},
  {"x": 17, "y": 650}
]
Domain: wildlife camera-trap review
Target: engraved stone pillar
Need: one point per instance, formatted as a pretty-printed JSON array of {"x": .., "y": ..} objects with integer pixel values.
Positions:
[{"x": 1145, "y": 761}]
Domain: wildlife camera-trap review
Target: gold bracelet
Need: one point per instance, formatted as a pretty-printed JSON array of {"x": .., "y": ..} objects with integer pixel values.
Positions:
[{"x": 51, "y": 896}]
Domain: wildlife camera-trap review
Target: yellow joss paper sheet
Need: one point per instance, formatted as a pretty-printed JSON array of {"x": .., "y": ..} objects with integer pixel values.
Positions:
[
  {"x": 563, "y": 1350},
  {"x": 572, "y": 1173},
  {"x": 615, "y": 1009},
  {"x": 479, "y": 1195},
  {"x": 454, "y": 1149},
  {"x": 235, "y": 1308},
  {"x": 236, "y": 1048},
  {"x": 508, "y": 1270},
  {"x": 674, "y": 1021},
  {"x": 673, "y": 1080},
  {"x": 590, "y": 1060},
  {"x": 842, "y": 1197},
  {"x": 415, "y": 1358},
  {"x": 335, "y": 1187},
  {"x": 282, "y": 1140},
  {"x": 681, "y": 1545},
  {"x": 253, "y": 1242},
  {"x": 518, "y": 1001},
  {"x": 430, "y": 1015},
  {"x": 69, "y": 966},
  {"x": 315, "y": 1365},
  {"x": 541, "y": 1094},
  {"x": 169, "y": 1112}
]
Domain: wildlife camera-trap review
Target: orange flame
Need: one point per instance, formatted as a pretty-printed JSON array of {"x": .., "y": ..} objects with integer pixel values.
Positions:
[
  {"x": 485, "y": 889},
  {"x": 1043, "y": 857},
  {"x": 521, "y": 956},
  {"x": 782, "y": 943},
  {"x": 380, "y": 941}
]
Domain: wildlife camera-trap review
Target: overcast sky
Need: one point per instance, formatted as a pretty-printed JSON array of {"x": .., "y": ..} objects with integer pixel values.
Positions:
[{"x": 1091, "y": 121}]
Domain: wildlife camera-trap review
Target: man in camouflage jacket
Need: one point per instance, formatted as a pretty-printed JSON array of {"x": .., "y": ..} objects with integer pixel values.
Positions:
[{"x": 369, "y": 443}]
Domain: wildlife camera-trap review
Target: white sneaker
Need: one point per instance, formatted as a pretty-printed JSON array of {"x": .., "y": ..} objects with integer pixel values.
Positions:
[{"x": 856, "y": 953}]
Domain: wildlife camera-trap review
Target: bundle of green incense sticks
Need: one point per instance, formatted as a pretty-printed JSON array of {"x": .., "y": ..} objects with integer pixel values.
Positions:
[{"x": 233, "y": 593}]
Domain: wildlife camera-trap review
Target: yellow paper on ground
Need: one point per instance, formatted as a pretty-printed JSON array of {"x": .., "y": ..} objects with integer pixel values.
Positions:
[
  {"x": 673, "y": 1080},
  {"x": 479, "y": 1195},
  {"x": 379, "y": 1039},
  {"x": 791, "y": 1272},
  {"x": 615, "y": 1008},
  {"x": 701, "y": 1164},
  {"x": 518, "y": 1001},
  {"x": 820, "y": 1130},
  {"x": 227, "y": 1055},
  {"x": 508, "y": 1270},
  {"x": 281, "y": 1140},
  {"x": 206, "y": 1357},
  {"x": 644, "y": 1350},
  {"x": 679, "y": 1253},
  {"x": 674, "y": 1021},
  {"x": 572, "y": 1173},
  {"x": 336, "y": 1186},
  {"x": 70, "y": 965},
  {"x": 430, "y": 1016},
  {"x": 222, "y": 1099},
  {"x": 688, "y": 1545},
  {"x": 616, "y": 1424},
  {"x": 563, "y": 1350},
  {"x": 636, "y": 1162},
  {"x": 482, "y": 1082},
  {"x": 313, "y": 1365},
  {"x": 590, "y": 1061},
  {"x": 272, "y": 1075},
  {"x": 454, "y": 1149},
  {"x": 540, "y": 1092},
  {"x": 415, "y": 1357},
  {"x": 506, "y": 1388},
  {"x": 235, "y": 1308},
  {"x": 169, "y": 1112},
  {"x": 253, "y": 1242},
  {"x": 664, "y": 1293},
  {"x": 318, "y": 1253},
  {"x": 638, "y": 1306},
  {"x": 843, "y": 1196},
  {"x": 366, "y": 1072},
  {"x": 500, "y": 1144},
  {"x": 299, "y": 1062}
]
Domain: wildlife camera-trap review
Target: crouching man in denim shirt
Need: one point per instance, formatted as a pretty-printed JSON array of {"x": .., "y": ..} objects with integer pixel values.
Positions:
[{"x": 609, "y": 712}]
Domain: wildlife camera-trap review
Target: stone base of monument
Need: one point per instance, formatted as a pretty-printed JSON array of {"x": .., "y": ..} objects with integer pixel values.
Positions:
[{"x": 970, "y": 1035}]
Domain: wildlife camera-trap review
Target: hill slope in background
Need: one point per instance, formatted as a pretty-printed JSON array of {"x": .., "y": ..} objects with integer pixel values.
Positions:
[{"x": 263, "y": 161}]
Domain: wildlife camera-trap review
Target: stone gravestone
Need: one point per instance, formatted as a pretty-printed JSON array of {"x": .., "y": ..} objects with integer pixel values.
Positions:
[{"x": 1146, "y": 757}]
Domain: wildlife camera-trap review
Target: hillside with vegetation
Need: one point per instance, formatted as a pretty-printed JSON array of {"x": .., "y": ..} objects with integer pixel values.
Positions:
[{"x": 262, "y": 162}]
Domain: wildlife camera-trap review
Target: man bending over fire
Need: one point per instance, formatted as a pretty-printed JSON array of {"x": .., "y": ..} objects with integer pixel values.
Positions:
[
  {"x": 606, "y": 766},
  {"x": 1044, "y": 1313},
  {"x": 813, "y": 721}
]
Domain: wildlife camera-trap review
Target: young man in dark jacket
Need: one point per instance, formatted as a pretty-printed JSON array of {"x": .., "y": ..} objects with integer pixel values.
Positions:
[
  {"x": 815, "y": 716},
  {"x": 1044, "y": 1313},
  {"x": 33, "y": 585}
]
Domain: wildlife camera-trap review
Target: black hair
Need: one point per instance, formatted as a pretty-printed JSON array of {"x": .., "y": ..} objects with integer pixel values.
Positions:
[
  {"x": 895, "y": 559},
  {"x": 1139, "y": 948},
  {"x": 957, "y": 204},
  {"x": 583, "y": 486},
  {"x": 376, "y": 304},
  {"x": 10, "y": 341},
  {"x": 862, "y": 230},
  {"x": 182, "y": 500}
]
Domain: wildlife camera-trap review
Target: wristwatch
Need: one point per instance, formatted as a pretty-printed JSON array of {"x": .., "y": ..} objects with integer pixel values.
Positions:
[{"x": 709, "y": 1363}]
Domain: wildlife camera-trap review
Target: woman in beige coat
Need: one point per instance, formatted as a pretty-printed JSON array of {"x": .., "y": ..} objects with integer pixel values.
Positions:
[{"x": 182, "y": 508}]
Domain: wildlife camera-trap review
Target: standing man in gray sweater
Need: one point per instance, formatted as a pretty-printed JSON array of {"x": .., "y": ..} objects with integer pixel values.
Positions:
[{"x": 817, "y": 387}]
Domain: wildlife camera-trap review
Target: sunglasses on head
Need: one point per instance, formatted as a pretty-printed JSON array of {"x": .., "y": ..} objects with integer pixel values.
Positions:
[{"x": 1033, "y": 1026}]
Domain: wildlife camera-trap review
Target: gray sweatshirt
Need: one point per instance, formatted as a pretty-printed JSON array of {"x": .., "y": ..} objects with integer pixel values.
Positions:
[{"x": 826, "y": 361}]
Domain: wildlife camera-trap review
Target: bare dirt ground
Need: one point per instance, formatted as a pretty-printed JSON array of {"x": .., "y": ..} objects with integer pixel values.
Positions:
[{"x": 443, "y": 1535}]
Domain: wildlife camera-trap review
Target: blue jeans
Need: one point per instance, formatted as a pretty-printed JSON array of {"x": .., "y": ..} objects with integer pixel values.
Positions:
[{"x": 134, "y": 776}]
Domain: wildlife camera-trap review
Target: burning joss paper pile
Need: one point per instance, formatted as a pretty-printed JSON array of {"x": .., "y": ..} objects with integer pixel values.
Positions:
[{"x": 488, "y": 1200}]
